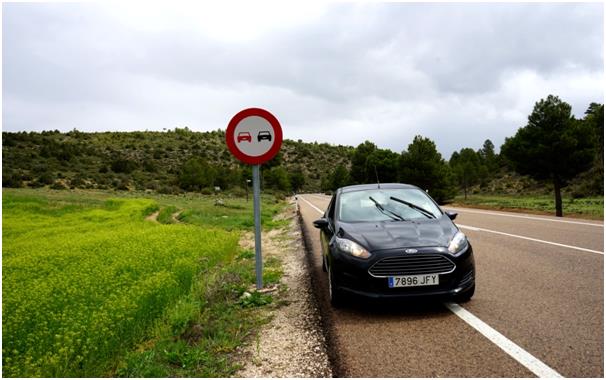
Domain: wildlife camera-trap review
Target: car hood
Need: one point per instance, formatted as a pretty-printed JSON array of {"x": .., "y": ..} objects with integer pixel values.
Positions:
[{"x": 376, "y": 236}]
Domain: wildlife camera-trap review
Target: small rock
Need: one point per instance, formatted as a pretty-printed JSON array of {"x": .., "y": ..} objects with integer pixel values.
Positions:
[{"x": 245, "y": 295}]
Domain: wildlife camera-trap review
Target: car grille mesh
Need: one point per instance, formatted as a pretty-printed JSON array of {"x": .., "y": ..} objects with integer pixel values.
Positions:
[{"x": 411, "y": 265}]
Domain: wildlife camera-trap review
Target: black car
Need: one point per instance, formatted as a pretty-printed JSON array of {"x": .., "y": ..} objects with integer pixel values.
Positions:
[
  {"x": 264, "y": 135},
  {"x": 393, "y": 241}
]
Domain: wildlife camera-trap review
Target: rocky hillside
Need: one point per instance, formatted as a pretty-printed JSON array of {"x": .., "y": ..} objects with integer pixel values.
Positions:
[{"x": 148, "y": 160}]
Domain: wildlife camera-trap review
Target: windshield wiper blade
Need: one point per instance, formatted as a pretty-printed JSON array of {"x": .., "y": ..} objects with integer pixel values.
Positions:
[
  {"x": 412, "y": 205},
  {"x": 393, "y": 215}
]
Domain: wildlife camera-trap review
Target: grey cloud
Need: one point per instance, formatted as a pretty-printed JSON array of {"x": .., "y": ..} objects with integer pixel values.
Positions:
[{"x": 373, "y": 71}]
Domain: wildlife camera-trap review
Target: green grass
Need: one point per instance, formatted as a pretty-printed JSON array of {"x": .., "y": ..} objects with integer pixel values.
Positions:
[
  {"x": 231, "y": 213},
  {"x": 196, "y": 337},
  {"x": 92, "y": 289},
  {"x": 581, "y": 207},
  {"x": 166, "y": 215},
  {"x": 202, "y": 210}
]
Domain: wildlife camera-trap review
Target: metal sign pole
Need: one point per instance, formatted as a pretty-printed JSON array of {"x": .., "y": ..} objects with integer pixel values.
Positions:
[
  {"x": 254, "y": 151},
  {"x": 257, "y": 212}
]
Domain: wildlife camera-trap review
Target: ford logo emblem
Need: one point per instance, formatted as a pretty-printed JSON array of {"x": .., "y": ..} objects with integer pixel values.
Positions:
[{"x": 410, "y": 250}]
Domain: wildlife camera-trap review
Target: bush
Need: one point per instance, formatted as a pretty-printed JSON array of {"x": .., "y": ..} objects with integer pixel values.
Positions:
[
  {"x": 149, "y": 166},
  {"x": 196, "y": 174},
  {"x": 123, "y": 165},
  {"x": 169, "y": 189},
  {"x": 276, "y": 178},
  {"x": 58, "y": 185},
  {"x": 76, "y": 182},
  {"x": 120, "y": 184},
  {"x": 239, "y": 192},
  {"x": 11, "y": 179},
  {"x": 46, "y": 179}
]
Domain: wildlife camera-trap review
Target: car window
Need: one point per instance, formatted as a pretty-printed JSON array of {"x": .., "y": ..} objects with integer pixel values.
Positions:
[{"x": 356, "y": 206}]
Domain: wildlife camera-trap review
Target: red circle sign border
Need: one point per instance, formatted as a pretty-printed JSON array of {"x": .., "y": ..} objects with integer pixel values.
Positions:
[{"x": 231, "y": 128}]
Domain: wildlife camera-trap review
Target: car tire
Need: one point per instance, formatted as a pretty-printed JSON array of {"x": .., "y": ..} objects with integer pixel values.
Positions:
[
  {"x": 466, "y": 295},
  {"x": 335, "y": 296}
]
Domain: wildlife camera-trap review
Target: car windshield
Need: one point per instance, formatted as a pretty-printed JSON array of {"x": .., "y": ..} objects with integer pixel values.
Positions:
[{"x": 356, "y": 206}]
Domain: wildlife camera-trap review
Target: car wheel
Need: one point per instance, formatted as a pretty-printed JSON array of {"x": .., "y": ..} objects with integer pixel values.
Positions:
[
  {"x": 466, "y": 295},
  {"x": 336, "y": 298}
]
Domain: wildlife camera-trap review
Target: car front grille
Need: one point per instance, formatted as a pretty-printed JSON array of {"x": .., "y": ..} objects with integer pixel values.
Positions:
[{"x": 411, "y": 265}]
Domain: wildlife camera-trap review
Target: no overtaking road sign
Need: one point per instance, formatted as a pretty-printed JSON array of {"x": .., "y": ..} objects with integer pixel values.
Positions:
[{"x": 254, "y": 136}]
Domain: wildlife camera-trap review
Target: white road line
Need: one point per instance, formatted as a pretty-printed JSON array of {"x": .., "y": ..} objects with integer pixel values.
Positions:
[
  {"x": 309, "y": 203},
  {"x": 518, "y": 353},
  {"x": 510, "y": 348},
  {"x": 529, "y": 238},
  {"x": 523, "y": 216},
  {"x": 320, "y": 196}
]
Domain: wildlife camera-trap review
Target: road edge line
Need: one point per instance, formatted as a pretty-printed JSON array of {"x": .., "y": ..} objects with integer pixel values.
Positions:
[
  {"x": 326, "y": 321},
  {"x": 531, "y": 239},
  {"x": 516, "y": 352},
  {"x": 474, "y": 211},
  {"x": 314, "y": 207}
]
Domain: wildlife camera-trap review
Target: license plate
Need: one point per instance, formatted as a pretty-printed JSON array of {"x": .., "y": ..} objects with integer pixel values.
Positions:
[{"x": 418, "y": 280}]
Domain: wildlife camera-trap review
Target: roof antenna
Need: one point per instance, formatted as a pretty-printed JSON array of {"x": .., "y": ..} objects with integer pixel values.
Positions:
[{"x": 377, "y": 175}]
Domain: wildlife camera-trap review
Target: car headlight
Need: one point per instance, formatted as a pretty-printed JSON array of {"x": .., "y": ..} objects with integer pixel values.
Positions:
[
  {"x": 352, "y": 248},
  {"x": 457, "y": 244}
]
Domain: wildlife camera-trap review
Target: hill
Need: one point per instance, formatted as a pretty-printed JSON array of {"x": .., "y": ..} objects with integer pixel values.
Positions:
[{"x": 154, "y": 161}]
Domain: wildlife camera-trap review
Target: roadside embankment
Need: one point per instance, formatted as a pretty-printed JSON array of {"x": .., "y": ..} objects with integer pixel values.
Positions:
[{"x": 292, "y": 344}]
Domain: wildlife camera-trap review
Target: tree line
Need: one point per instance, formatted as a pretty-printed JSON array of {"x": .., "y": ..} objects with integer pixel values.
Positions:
[{"x": 553, "y": 146}]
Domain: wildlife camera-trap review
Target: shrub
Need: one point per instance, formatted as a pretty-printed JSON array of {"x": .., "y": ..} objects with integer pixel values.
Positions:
[
  {"x": 123, "y": 165},
  {"x": 196, "y": 174},
  {"x": 11, "y": 179},
  {"x": 58, "y": 185}
]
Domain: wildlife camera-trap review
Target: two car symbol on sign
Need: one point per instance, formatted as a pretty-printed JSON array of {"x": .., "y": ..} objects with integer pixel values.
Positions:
[{"x": 245, "y": 136}]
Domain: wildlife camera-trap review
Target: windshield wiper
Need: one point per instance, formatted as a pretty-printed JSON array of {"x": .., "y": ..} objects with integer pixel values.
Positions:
[
  {"x": 393, "y": 215},
  {"x": 418, "y": 208}
]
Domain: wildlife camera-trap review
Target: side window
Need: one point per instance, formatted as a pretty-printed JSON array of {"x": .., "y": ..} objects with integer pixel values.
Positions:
[{"x": 330, "y": 213}]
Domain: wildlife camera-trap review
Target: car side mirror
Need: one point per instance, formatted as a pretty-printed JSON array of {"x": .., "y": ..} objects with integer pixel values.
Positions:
[
  {"x": 321, "y": 223},
  {"x": 452, "y": 215}
]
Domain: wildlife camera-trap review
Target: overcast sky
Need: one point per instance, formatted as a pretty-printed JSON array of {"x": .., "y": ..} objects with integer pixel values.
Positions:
[{"x": 339, "y": 73}]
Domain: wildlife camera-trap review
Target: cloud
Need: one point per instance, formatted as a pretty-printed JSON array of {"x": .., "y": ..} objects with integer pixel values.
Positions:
[{"x": 338, "y": 73}]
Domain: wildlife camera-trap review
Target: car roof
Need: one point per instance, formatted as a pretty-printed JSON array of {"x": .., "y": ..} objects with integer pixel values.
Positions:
[{"x": 374, "y": 186}]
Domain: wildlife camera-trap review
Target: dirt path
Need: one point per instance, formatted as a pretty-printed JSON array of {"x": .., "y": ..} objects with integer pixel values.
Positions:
[
  {"x": 175, "y": 216},
  {"x": 292, "y": 344},
  {"x": 153, "y": 217}
]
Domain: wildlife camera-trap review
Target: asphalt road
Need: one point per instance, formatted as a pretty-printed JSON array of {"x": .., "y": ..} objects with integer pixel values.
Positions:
[{"x": 538, "y": 309}]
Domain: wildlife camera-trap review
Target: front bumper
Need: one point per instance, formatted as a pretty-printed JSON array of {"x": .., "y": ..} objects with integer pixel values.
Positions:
[{"x": 352, "y": 276}]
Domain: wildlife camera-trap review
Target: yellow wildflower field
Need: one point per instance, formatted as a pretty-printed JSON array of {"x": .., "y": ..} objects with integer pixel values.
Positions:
[{"x": 82, "y": 283}]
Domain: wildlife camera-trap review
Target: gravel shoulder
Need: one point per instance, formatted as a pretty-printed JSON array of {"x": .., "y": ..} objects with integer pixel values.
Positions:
[{"x": 292, "y": 343}]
